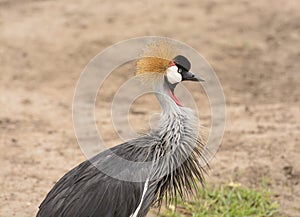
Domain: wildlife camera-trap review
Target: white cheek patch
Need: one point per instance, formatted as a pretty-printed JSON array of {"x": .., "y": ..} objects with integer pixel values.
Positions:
[{"x": 173, "y": 75}]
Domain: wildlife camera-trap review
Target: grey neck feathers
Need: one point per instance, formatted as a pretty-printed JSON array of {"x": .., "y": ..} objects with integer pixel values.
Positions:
[
  {"x": 166, "y": 102},
  {"x": 176, "y": 122},
  {"x": 177, "y": 153}
]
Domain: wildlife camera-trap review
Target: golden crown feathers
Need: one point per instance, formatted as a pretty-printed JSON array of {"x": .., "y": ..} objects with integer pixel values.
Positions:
[{"x": 156, "y": 58}]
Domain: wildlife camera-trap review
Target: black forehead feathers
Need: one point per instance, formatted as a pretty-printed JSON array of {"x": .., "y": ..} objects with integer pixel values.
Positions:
[{"x": 183, "y": 62}]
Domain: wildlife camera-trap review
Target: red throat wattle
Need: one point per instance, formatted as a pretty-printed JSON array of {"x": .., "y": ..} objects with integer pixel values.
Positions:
[
  {"x": 176, "y": 100},
  {"x": 172, "y": 95}
]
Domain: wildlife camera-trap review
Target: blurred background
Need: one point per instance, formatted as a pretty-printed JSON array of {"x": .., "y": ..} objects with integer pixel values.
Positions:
[{"x": 252, "y": 45}]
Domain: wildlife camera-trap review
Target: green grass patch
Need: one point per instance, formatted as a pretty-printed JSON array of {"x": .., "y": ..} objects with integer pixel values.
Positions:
[{"x": 230, "y": 200}]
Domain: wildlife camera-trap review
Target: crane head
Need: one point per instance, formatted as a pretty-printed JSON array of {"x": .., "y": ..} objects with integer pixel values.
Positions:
[
  {"x": 179, "y": 70},
  {"x": 161, "y": 60}
]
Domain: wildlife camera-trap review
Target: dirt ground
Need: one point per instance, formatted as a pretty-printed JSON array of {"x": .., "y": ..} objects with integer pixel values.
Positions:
[{"x": 252, "y": 45}]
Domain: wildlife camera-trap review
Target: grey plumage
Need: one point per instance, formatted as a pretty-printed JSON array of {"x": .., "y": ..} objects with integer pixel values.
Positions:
[{"x": 175, "y": 151}]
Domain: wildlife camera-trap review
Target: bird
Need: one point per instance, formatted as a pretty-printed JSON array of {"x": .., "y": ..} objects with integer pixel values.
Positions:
[{"x": 175, "y": 151}]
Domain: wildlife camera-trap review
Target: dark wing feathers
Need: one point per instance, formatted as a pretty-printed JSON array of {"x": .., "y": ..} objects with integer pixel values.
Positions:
[{"x": 85, "y": 191}]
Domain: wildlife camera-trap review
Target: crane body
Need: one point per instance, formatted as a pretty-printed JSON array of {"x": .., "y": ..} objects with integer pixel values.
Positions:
[{"x": 174, "y": 150}]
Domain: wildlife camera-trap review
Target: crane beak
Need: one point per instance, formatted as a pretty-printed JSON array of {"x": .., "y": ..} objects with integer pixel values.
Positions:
[{"x": 190, "y": 76}]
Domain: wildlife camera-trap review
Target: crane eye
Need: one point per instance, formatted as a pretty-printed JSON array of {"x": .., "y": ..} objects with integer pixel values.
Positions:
[{"x": 179, "y": 70}]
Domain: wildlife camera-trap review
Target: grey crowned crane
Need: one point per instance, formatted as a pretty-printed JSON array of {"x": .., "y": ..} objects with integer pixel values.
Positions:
[{"x": 174, "y": 149}]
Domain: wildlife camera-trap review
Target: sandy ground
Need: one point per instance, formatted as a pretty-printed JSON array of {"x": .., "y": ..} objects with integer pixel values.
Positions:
[{"x": 252, "y": 45}]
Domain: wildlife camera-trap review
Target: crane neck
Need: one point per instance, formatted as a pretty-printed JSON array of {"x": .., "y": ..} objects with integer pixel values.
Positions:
[
  {"x": 177, "y": 123},
  {"x": 162, "y": 93}
]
